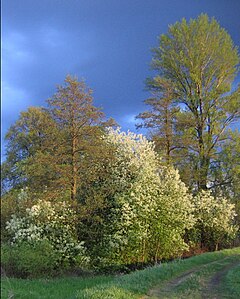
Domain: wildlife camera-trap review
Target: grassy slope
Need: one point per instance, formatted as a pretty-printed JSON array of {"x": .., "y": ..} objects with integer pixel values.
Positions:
[
  {"x": 129, "y": 286},
  {"x": 204, "y": 281},
  {"x": 138, "y": 283},
  {"x": 232, "y": 283},
  {"x": 62, "y": 288}
]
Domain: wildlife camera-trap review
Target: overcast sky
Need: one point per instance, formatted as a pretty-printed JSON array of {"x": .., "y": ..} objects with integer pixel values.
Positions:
[{"x": 106, "y": 42}]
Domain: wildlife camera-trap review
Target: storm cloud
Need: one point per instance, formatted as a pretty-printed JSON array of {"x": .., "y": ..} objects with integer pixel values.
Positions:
[{"x": 106, "y": 42}]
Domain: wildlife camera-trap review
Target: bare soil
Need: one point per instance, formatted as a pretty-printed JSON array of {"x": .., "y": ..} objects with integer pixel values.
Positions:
[
  {"x": 215, "y": 283},
  {"x": 209, "y": 290},
  {"x": 170, "y": 285}
]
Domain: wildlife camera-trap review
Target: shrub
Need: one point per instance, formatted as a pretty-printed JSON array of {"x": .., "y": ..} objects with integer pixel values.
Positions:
[
  {"x": 215, "y": 220},
  {"x": 54, "y": 223},
  {"x": 150, "y": 208},
  {"x": 28, "y": 260},
  {"x": 13, "y": 202}
]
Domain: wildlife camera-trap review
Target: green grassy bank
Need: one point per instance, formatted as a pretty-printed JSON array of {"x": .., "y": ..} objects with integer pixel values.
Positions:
[{"x": 133, "y": 285}]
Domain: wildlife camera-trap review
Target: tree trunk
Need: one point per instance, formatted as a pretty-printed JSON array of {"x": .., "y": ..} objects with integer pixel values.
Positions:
[
  {"x": 204, "y": 161},
  {"x": 156, "y": 253},
  {"x": 74, "y": 170},
  {"x": 143, "y": 250},
  {"x": 203, "y": 172}
]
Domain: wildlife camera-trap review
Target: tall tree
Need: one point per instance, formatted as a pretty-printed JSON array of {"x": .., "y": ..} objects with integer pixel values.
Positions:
[
  {"x": 78, "y": 122},
  {"x": 161, "y": 119},
  {"x": 25, "y": 139},
  {"x": 201, "y": 62},
  {"x": 50, "y": 149},
  {"x": 225, "y": 171}
]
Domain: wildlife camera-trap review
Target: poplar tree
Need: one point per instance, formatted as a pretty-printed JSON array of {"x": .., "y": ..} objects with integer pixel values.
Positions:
[{"x": 201, "y": 62}]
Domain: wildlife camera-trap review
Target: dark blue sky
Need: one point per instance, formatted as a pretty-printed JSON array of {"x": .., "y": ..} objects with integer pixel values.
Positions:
[{"x": 106, "y": 42}]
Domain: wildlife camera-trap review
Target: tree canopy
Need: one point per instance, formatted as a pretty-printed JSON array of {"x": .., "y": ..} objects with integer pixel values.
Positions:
[
  {"x": 198, "y": 62},
  {"x": 90, "y": 195}
]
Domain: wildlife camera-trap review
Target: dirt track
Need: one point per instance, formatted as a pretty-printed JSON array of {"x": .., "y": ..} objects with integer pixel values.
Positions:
[
  {"x": 215, "y": 283},
  {"x": 198, "y": 283}
]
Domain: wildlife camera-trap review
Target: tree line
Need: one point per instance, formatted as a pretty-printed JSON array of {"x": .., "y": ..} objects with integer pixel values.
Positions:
[{"x": 75, "y": 185}]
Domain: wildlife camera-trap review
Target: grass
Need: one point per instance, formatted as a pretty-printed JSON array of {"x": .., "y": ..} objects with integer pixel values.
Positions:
[
  {"x": 49, "y": 288},
  {"x": 232, "y": 283},
  {"x": 201, "y": 282},
  {"x": 130, "y": 286},
  {"x": 134, "y": 285}
]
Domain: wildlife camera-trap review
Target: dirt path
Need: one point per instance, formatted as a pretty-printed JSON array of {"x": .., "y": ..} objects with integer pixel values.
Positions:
[
  {"x": 169, "y": 286},
  {"x": 214, "y": 285},
  {"x": 207, "y": 286}
]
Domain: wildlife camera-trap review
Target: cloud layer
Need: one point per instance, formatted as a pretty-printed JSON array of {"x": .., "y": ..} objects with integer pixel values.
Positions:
[{"x": 107, "y": 42}]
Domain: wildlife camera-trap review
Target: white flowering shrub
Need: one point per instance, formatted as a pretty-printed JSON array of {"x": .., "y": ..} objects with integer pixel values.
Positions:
[
  {"x": 154, "y": 208},
  {"x": 215, "y": 218},
  {"x": 55, "y": 223}
]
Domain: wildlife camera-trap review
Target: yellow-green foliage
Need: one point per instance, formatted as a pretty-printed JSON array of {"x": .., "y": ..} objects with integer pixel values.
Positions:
[
  {"x": 53, "y": 222},
  {"x": 154, "y": 207},
  {"x": 214, "y": 217}
]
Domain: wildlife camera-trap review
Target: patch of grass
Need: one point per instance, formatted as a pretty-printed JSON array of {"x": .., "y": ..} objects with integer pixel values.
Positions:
[
  {"x": 61, "y": 288},
  {"x": 232, "y": 283},
  {"x": 130, "y": 286},
  {"x": 134, "y": 285},
  {"x": 198, "y": 283}
]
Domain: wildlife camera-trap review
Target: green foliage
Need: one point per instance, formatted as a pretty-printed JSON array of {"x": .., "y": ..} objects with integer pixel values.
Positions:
[
  {"x": 14, "y": 202},
  {"x": 47, "y": 148},
  {"x": 133, "y": 285},
  {"x": 25, "y": 139},
  {"x": 54, "y": 223},
  {"x": 136, "y": 284},
  {"x": 132, "y": 209},
  {"x": 225, "y": 172},
  {"x": 78, "y": 124},
  {"x": 152, "y": 208},
  {"x": 161, "y": 118},
  {"x": 232, "y": 282},
  {"x": 87, "y": 191},
  {"x": 8, "y": 207},
  {"x": 139, "y": 209},
  {"x": 29, "y": 260},
  {"x": 215, "y": 219},
  {"x": 196, "y": 63},
  {"x": 190, "y": 52},
  {"x": 57, "y": 288}
]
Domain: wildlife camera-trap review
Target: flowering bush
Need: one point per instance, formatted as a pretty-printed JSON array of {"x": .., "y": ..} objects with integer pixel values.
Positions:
[
  {"x": 54, "y": 223},
  {"x": 13, "y": 202},
  {"x": 153, "y": 208},
  {"x": 215, "y": 218}
]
